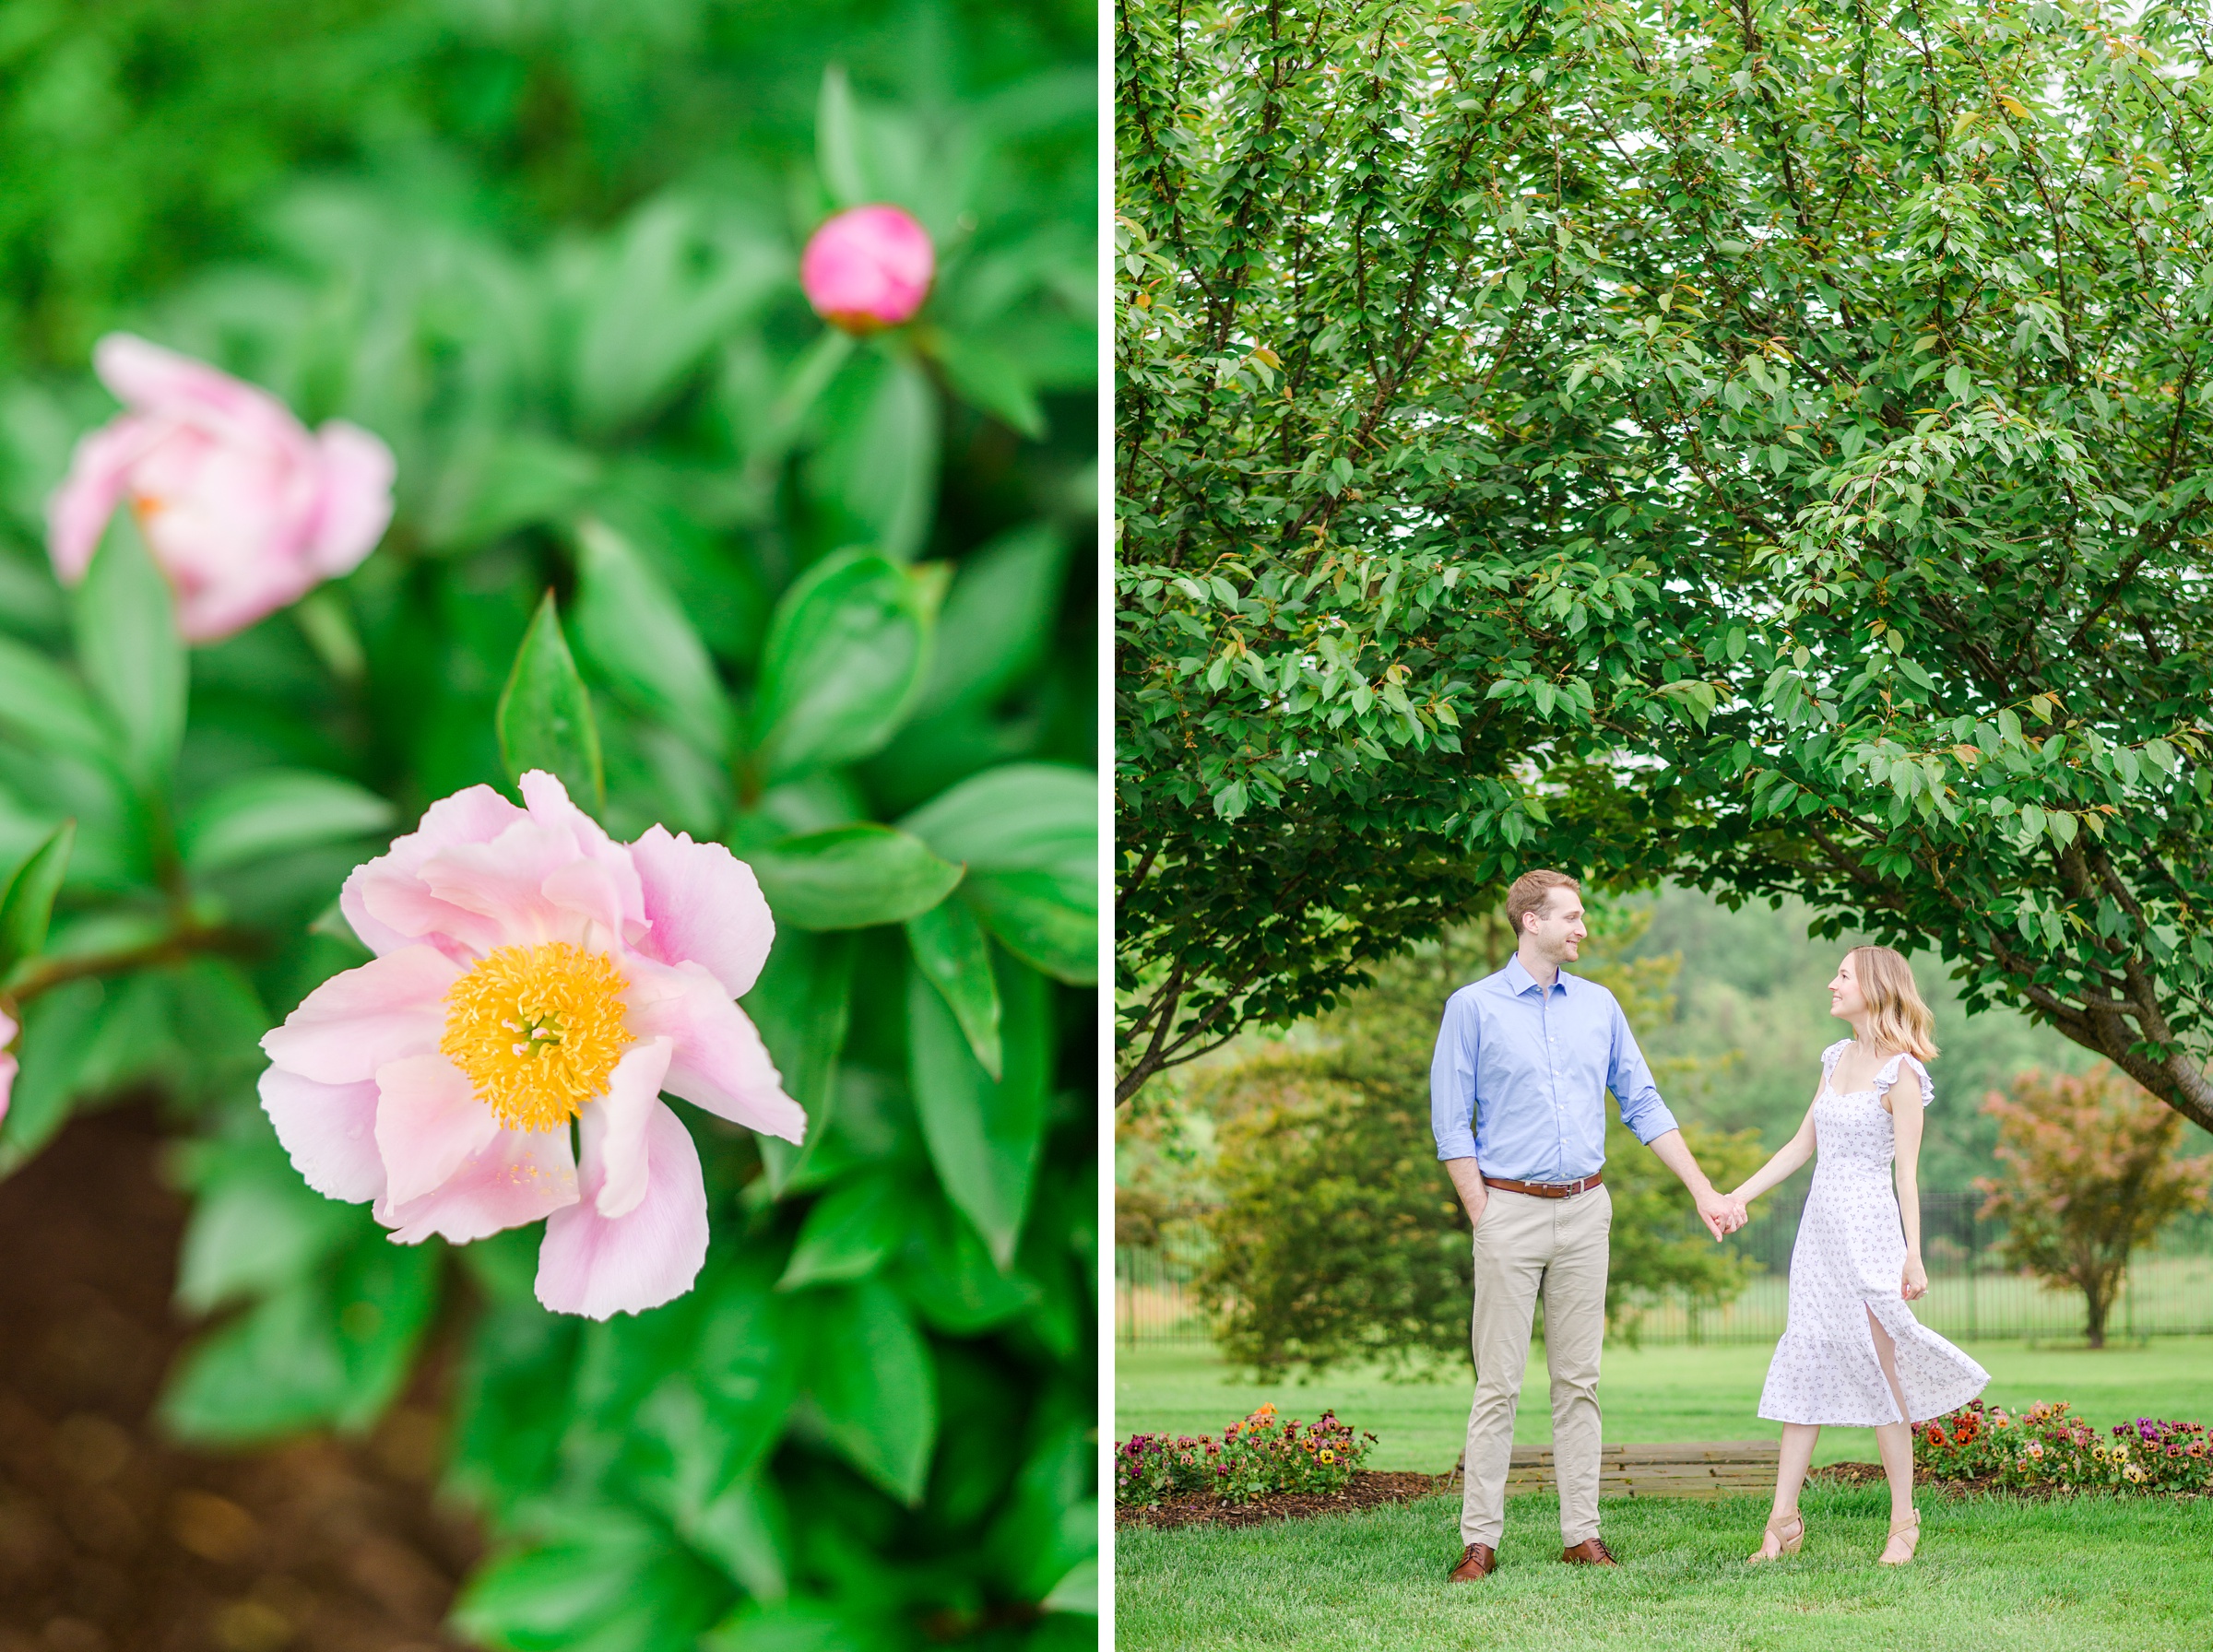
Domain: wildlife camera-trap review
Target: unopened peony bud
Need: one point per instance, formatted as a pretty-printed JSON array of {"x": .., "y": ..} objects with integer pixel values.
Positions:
[{"x": 867, "y": 270}]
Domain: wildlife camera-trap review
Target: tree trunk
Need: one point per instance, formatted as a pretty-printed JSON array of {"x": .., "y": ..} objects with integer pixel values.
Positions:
[{"x": 2098, "y": 1293}]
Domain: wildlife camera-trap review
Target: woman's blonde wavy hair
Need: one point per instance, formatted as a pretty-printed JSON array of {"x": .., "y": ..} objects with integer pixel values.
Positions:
[{"x": 1897, "y": 1017}]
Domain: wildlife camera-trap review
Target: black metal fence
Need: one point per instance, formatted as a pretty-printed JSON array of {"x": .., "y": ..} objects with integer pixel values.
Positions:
[{"x": 2167, "y": 1290}]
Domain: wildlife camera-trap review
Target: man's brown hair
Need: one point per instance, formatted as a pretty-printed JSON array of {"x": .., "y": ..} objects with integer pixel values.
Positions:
[{"x": 1529, "y": 894}]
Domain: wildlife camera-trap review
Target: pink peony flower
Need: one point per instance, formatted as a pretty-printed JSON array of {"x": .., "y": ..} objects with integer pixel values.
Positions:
[
  {"x": 242, "y": 509},
  {"x": 8, "y": 1064},
  {"x": 868, "y": 268},
  {"x": 531, "y": 972}
]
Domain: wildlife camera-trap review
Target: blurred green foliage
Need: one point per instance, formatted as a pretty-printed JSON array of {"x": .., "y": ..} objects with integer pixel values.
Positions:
[{"x": 822, "y": 600}]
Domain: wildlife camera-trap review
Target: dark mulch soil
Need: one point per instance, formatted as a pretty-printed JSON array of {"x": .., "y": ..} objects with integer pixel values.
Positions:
[
  {"x": 1368, "y": 1489},
  {"x": 115, "y": 1540},
  {"x": 1372, "y": 1491},
  {"x": 1871, "y": 1474}
]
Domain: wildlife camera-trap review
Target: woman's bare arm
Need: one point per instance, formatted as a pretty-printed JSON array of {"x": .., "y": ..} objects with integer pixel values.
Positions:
[
  {"x": 1905, "y": 1125},
  {"x": 1788, "y": 1157}
]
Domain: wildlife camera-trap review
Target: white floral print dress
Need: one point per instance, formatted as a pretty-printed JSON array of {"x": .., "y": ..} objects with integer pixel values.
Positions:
[{"x": 1847, "y": 1262}]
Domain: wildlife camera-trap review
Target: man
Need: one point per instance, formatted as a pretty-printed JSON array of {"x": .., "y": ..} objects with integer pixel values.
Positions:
[{"x": 1518, "y": 1103}]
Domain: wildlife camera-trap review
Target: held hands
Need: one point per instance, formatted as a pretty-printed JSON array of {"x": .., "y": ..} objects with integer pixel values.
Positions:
[
  {"x": 1722, "y": 1214},
  {"x": 1916, "y": 1281}
]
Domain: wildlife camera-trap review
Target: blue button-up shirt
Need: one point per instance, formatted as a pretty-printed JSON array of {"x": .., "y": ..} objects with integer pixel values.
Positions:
[{"x": 1519, "y": 1077}]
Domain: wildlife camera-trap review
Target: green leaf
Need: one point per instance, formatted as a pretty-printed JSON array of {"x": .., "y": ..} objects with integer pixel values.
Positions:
[
  {"x": 57, "y": 1027},
  {"x": 1002, "y": 609},
  {"x": 746, "y": 1529},
  {"x": 608, "y": 1582},
  {"x": 852, "y": 878},
  {"x": 256, "y": 1228},
  {"x": 845, "y": 660},
  {"x": 1078, "y": 1590},
  {"x": 984, "y": 1136},
  {"x": 951, "y": 1281},
  {"x": 837, "y": 145},
  {"x": 28, "y": 908},
  {"x": 1029, "y": 832},
  {"x": 800, "y": 1626},
  {"x": 848, "y": 1234},
  {"x": 659, "y": 300},
  {"x": 633, "y": 633},
  {"x": 271, "y": 811},
  {"x": 952, "y": 952},
  {"x": 40, "y": 705},
  {"x": 991, "y": 380},
  {"x": 330, "y": 1350},
  {"x": 513, "y": 1407},
  {"x": 132, "y": 655},
  {"x": 874, "y": 472},
  {"x": 873, "y": 1389},
  {"x": 545, "y": 714},
  {"x": 493, "y": 482},
  {"x": 799, "y": 1005}
]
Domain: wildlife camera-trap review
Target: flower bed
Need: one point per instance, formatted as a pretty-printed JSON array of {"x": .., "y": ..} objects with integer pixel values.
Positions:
[
  {"x": 2046, "y": 1445},
  {"x": 1262, "y": 1456}
]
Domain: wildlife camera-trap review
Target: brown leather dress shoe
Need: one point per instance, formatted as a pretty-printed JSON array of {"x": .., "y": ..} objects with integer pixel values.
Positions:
[
  {"x": 1477, "y": 1560},
  {"x": 1589, "y": 1552}
]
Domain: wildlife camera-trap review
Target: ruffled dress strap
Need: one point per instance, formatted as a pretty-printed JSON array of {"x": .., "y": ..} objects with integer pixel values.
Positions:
[
  {"x": 1889, "y": 1075},
  {"x": 1830, "y": 1057}
]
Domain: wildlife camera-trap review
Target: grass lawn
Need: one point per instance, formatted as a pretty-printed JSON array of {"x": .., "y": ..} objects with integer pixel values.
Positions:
[
  {"x": 2079, "y": 1576},
  {"x": 1649, "y": 1395}
]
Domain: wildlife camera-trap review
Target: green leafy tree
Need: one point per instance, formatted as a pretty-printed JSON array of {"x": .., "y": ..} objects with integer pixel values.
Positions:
[
  {"x": 1344, "y": 634},
  {"x": 659, "y": 532},
  {"x": 2090, "y": 1176},
  {"x": 1337, "y": 1235},
  {"x": 1824, "y": 432}
]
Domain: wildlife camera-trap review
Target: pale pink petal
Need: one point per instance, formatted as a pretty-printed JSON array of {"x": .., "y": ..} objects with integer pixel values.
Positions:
[
  {"x": 600, "y": 1266},
  {"x": 7, "y": 1060},
  {"x": 593, "y": 892},
  {"x": 356, "y": 505},
  {"x": 608, "y": 892},
  {"x": 147, "y": 377},
  {"x": 517, "y": 1177},
  {"x": 330, "y": 1132},
  {"x": 706, "y": 907},
  {"x": 720, "y": 1062},
  {"x": 98, "y": 472},
  {"x": 386, "y": 901},
  {"x": 213, "y": 612},
  {"x": 503, "y": 884},
  {"x": 428, "y": 1121},
  {"x": 388, "y": 1009},
  {"x": 612, "y": 1128}
]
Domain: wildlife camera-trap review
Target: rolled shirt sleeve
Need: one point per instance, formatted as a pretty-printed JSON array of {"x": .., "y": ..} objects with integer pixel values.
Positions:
[
  {"x": 1452, "y": 1079},
  {"x": 1642, "y": 1111}
]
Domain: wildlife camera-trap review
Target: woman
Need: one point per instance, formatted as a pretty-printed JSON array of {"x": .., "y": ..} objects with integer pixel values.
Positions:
[{"x": 1852, "y": 1354}]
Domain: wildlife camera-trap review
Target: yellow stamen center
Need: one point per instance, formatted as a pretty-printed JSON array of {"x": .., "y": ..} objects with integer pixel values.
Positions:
[{"x": 537, "y": 1030}]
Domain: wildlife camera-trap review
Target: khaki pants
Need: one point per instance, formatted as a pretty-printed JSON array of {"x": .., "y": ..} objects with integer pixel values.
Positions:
[{"x": 1523, "y": 1244}]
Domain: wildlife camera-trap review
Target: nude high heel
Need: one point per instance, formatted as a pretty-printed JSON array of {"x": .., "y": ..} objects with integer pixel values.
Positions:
[
  {"x": 1775, "y": 1529},
  {"x": 1908, "y": 1528}
]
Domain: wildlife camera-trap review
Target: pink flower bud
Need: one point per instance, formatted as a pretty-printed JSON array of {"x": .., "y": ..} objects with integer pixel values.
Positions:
[
  {"x": 7, "y": 1061},
  {"x": 868, "y": 268},
  {"x": 242, "y": 508}
]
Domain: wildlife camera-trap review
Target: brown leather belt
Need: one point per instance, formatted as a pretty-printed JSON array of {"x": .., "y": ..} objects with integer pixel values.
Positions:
[{"x": 1545, "y": 1189}]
